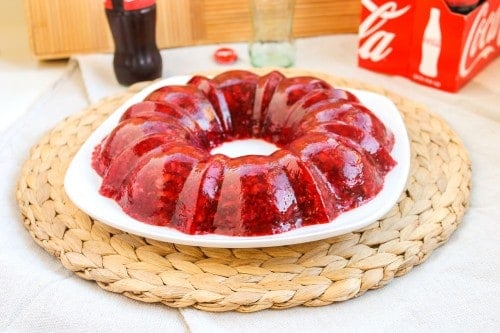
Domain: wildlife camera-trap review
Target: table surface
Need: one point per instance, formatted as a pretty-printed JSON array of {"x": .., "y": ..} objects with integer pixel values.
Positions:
[{"x": 456, "y": 289}]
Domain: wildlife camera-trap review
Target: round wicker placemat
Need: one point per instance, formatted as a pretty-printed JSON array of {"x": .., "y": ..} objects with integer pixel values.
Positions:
[{"x": 217, "y": 279}]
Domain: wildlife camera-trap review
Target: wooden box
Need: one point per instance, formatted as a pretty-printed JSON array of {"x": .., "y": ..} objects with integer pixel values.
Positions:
[{"x": 60, "y": 28}]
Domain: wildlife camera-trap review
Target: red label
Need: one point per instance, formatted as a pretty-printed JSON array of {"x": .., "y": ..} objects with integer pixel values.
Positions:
[{"x": 130, "y": 4}]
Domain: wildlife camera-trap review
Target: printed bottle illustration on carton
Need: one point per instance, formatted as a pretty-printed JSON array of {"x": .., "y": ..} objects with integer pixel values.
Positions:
[{"x": 431, "y": 45}]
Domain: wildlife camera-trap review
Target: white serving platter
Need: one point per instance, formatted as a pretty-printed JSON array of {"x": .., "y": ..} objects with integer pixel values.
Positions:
[{"x": 82, "y": 184}]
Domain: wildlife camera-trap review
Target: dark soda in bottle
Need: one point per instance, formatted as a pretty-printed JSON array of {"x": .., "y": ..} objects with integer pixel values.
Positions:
[
  {"x": 133, "y": 26},
  {"x": 462, "y": 6}
]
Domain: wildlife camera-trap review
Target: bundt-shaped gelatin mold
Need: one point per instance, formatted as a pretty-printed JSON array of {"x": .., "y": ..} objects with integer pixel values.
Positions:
[{"x": 158, "y": 163}]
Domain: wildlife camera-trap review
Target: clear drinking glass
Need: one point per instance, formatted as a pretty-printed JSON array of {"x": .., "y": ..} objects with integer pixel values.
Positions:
[{"x": 272, "y": 42}]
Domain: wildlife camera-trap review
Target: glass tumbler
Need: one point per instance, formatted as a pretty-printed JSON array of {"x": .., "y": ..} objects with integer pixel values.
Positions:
[{"x": 272, "y": 42}]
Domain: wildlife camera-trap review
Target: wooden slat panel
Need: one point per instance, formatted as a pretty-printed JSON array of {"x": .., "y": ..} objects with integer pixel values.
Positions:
[
  {"x": 64, "y": 27},
  {"x": 325, "y": 17},
  {"x": 177, "y": 28},
  {"x": 227, "y": 20},
  {"x": 60, "y": 28}
]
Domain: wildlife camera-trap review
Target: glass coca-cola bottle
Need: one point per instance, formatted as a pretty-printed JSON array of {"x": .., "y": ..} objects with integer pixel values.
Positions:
[
  {"x": 133, "y": 26},
  {"x": 462, "y": 6}
]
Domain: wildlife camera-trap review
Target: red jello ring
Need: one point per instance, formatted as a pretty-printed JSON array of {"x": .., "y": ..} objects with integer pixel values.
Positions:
[{"x": 225, "y": 56}]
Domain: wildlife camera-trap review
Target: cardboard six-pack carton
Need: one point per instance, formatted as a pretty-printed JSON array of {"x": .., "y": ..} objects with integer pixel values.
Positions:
[{"x": 428, "y": 43}]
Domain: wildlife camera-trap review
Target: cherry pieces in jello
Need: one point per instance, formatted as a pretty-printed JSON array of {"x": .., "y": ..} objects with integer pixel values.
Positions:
[{"x": 159, "y": 167}]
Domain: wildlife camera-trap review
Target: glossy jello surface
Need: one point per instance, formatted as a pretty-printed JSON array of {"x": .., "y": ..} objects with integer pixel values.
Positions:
[{"x": 158, "y": 166}]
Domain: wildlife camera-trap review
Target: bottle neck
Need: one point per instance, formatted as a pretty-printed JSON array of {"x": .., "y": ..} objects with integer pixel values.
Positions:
[
  {"x": 435, "y": 14},
  {"x": 133, "y": 31},
  {"x": 117, "y": 4}
]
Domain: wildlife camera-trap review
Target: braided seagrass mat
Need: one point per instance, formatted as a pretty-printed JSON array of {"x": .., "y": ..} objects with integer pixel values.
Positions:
[{"x": 218, "y": 279}]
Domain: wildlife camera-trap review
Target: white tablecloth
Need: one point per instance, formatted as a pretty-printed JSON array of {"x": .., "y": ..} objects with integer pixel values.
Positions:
[{"x": 457, "y": 289}]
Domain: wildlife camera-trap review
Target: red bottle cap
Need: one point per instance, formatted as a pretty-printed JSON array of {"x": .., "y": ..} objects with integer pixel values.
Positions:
[
  {"x": 460, "y": 3},
  {"x": 225, "y": 56},
  {"x": 130, "y": 4}
]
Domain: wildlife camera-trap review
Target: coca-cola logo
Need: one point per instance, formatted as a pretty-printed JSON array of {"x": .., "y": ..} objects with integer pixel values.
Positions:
[
  {"x": 377, "y": 42},
  {"x": 480, "y": 42}
]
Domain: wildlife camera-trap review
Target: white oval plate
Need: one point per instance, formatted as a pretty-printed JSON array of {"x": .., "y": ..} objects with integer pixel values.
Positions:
[{"x": 82, "y": 184}]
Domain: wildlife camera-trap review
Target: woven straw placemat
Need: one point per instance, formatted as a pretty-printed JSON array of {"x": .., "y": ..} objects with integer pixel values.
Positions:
[{"x": 218, "y": 279}]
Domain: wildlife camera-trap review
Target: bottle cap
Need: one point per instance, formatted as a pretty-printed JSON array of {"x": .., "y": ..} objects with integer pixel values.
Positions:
[
  {"x": 460, "y": 3},
  {"x": 128, "y": 4},
  {"x": 225, "y": 56}
]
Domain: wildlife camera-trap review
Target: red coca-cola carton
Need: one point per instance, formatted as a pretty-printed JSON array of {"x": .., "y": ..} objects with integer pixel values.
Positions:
[{"x": 427, "y": 42}]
